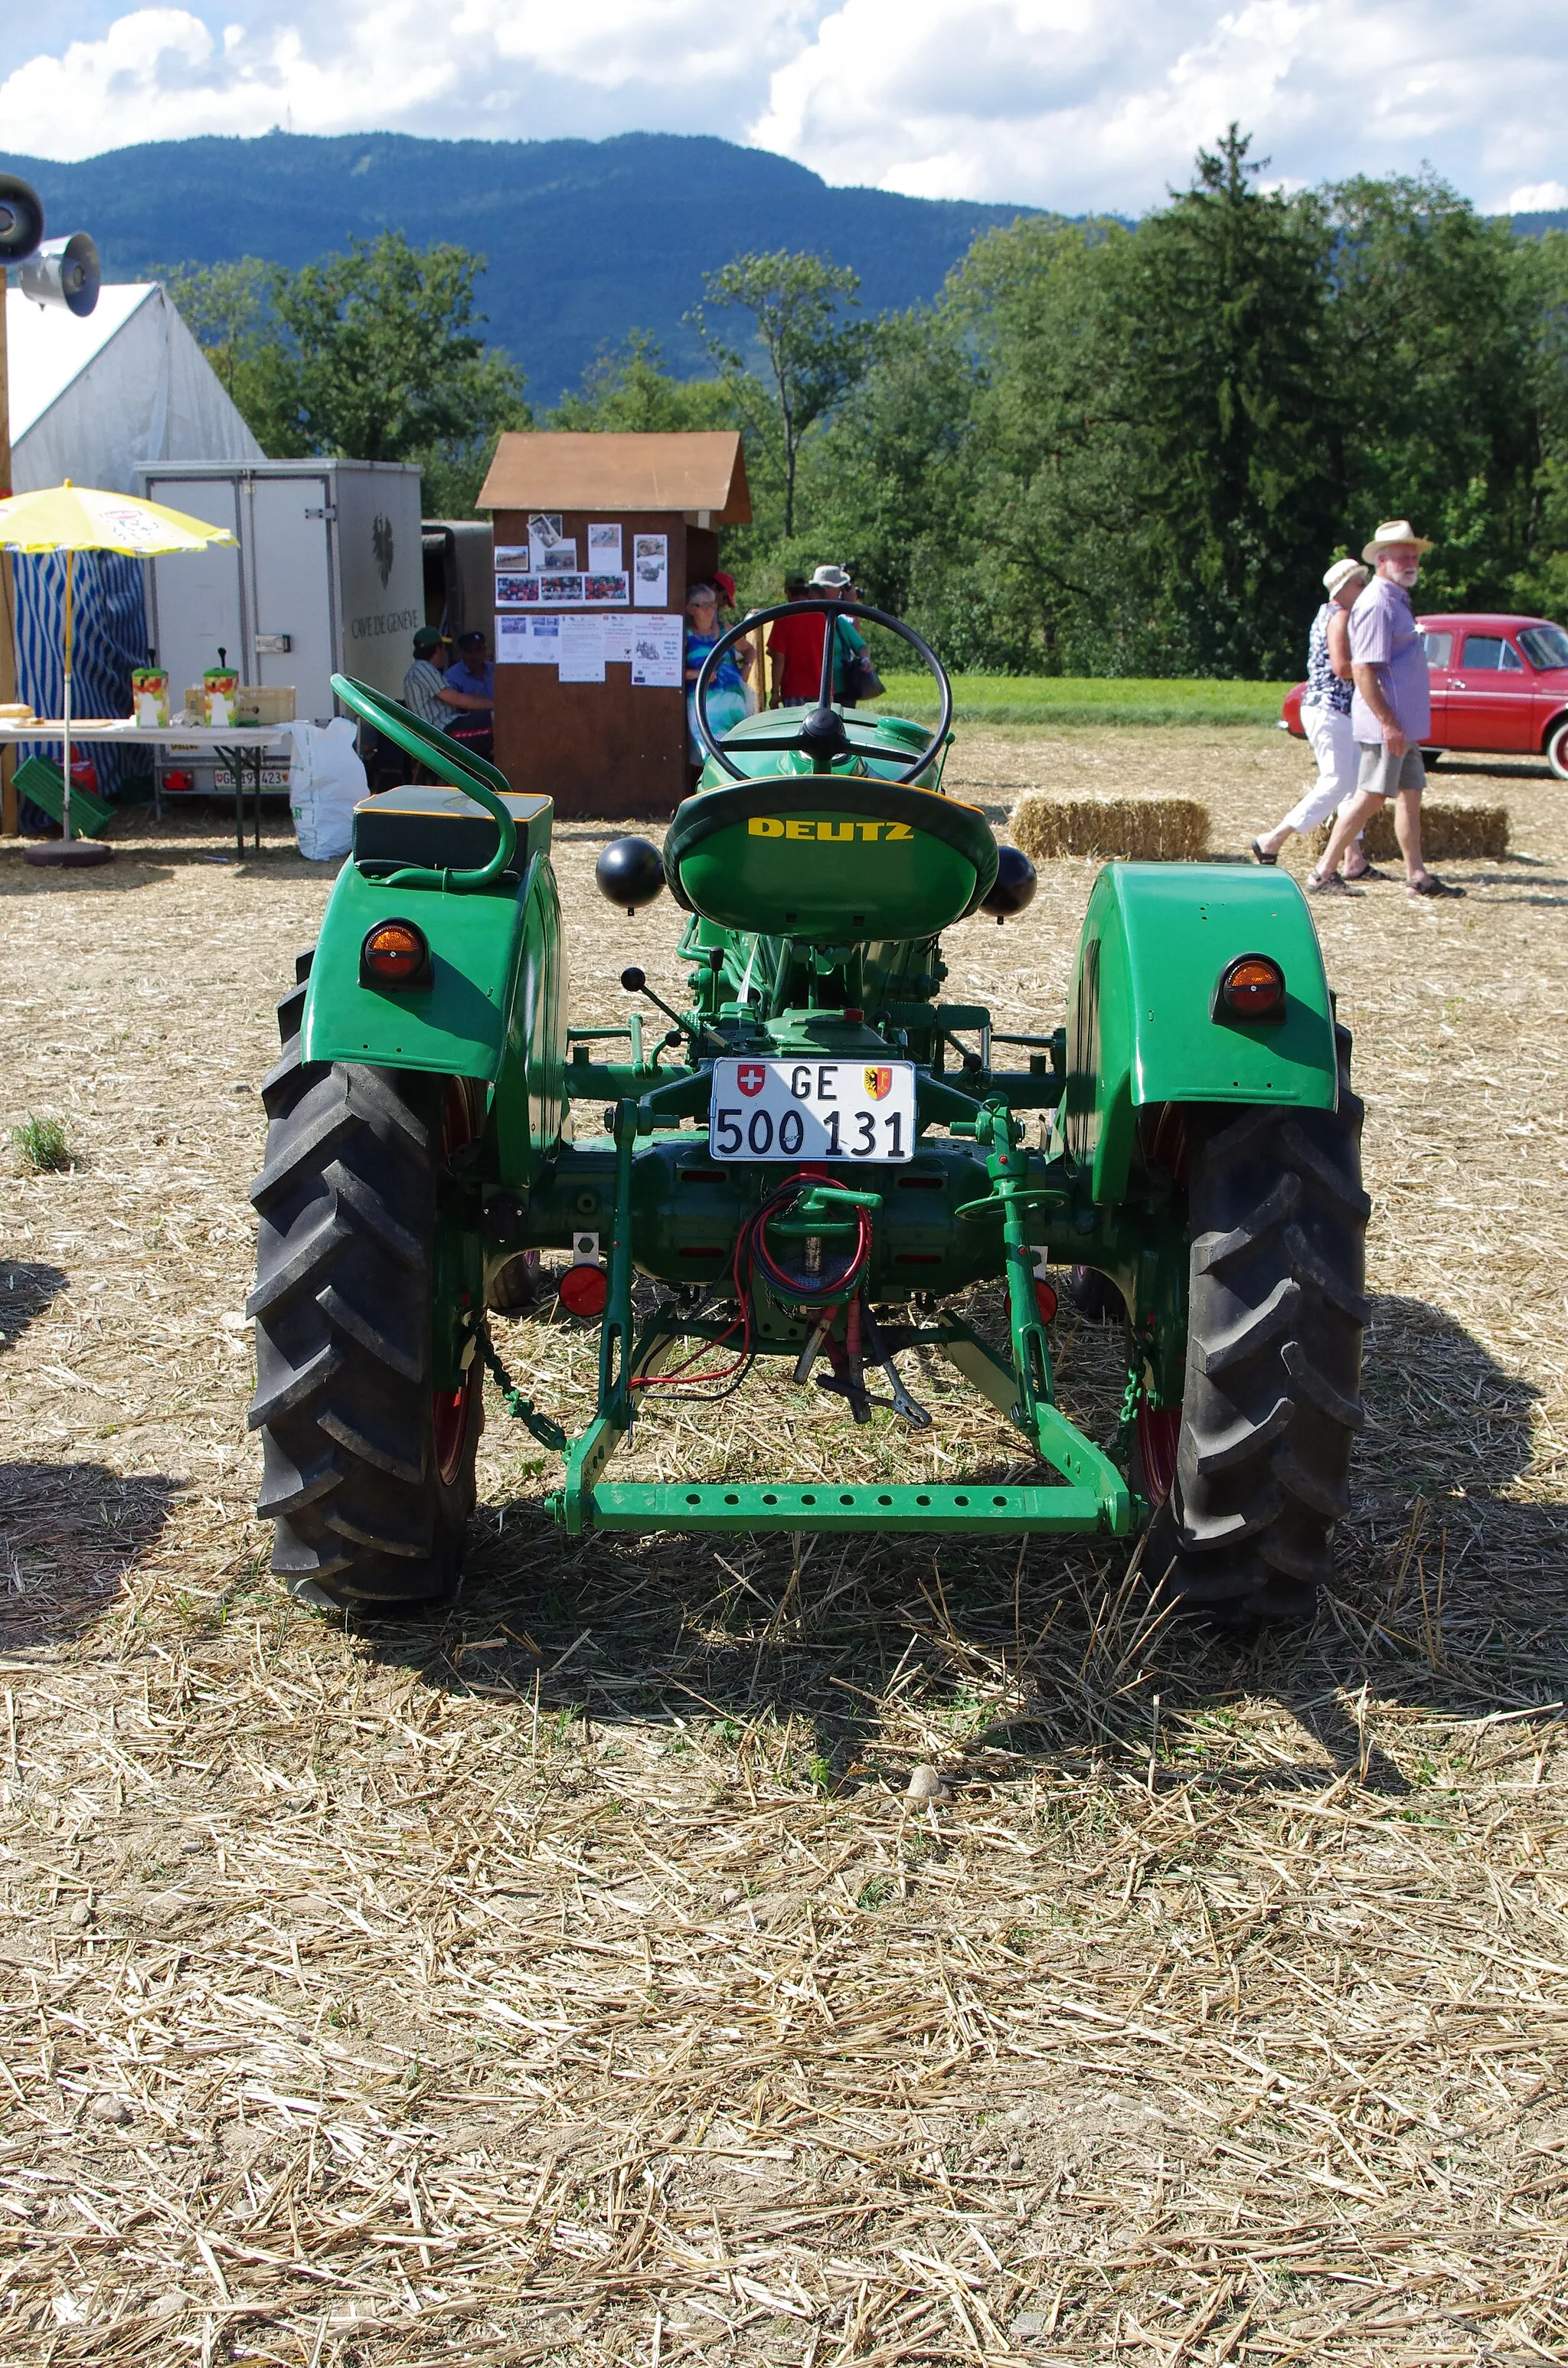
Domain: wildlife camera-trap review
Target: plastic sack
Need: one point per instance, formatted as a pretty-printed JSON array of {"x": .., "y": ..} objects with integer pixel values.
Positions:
[{"x": 326, "y": 781}]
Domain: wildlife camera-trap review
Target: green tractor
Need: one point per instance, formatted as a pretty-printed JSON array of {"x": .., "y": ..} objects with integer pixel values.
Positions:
[{"x": 820, "y": 1160}]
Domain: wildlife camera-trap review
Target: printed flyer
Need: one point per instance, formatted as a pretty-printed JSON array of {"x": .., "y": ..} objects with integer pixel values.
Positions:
[
  {"x": 651, "y": 570},
  {"x": 582, "y": 650},
  {"x": 658, "y": 652}
]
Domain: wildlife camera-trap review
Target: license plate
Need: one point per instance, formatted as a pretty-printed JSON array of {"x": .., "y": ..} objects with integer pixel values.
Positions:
[
  {"x": 273, "y": 777},
  {"x": 851, "y": 1110}
]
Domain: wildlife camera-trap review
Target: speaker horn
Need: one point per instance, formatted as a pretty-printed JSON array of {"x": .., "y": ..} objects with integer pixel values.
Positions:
[
  {"x": 21, "y": 219},
  {"x": 65, "y": 271}
]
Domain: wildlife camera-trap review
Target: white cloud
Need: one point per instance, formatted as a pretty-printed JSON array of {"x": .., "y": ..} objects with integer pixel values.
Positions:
[
  {"x": 160, "y": 74},
  {"x": 497, "y": 68},
  {"x": 1071, "y": 103},
  {"x": 1538, "y": 198},
  {"x": 1061, "y": 102}
]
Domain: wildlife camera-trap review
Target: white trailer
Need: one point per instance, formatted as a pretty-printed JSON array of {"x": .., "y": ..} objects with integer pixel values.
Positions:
[{"x": 326, "y": 577}]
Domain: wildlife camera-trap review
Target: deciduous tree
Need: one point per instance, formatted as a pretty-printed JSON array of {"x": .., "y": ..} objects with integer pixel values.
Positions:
[{"x": 811, "y": 355}]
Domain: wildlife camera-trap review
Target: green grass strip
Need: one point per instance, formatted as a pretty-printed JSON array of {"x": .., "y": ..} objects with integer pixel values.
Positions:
[{"x": 1061, "y": 700}]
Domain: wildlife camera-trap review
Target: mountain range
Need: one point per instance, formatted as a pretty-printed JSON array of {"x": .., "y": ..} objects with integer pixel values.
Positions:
[{"x": 585, "y": 239}]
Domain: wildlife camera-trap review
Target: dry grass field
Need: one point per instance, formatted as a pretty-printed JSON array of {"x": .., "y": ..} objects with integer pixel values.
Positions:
[{"x": 571, "y": 1979}]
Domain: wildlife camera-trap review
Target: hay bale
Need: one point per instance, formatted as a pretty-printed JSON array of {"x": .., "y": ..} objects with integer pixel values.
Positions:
[
  {"x": 1448, "y": 832},
  {"x": 1160, "y": 830}
]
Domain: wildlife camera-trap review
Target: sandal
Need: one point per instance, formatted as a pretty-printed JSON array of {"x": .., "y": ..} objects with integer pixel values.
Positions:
[
  {"x": 1258, "y": 852},
  {"x": 1367, "y": 872},
  {"x": 1431, "y": 886},
  {"x": 1326, "y": 883}
]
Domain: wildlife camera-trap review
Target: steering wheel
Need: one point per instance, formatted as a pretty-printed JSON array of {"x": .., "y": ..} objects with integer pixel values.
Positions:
[{"x": 821, "y": 733}]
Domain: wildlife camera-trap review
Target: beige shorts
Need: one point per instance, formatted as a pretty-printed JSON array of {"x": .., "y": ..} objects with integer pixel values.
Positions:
[{"x": 1385, "y": 775}]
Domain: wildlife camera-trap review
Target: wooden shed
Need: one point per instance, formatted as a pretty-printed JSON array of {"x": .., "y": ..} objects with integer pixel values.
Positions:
[{"x": 597, "y": 537}]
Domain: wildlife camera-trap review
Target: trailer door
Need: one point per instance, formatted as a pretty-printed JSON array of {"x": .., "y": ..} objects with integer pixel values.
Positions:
[
  {"x": 196, "y": 606},
  {"x": 290, "y": 554}
]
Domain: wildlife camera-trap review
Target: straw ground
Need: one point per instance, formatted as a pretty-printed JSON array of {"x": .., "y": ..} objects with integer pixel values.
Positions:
[{"x": 569, "y": 1979}]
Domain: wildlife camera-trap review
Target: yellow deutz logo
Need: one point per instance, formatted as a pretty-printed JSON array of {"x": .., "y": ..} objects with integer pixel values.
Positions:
[{"x": 795, "y": 827}]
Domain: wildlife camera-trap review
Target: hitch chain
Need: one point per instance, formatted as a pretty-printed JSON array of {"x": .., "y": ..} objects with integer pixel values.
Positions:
[
  {"x": 1121, "y": 1441},
  {"x": 548, "y": 1433}
]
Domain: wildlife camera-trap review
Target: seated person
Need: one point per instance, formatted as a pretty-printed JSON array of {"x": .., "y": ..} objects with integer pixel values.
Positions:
[
  {"x": 470, "y": 692},
  {"x": 426, "y": 680}
]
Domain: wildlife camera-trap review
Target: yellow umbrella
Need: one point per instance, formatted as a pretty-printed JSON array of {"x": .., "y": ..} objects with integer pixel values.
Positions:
[{"x": 81, "y": 518}]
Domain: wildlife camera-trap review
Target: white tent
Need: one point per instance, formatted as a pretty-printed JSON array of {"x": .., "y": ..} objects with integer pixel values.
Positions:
[{"x": 92, "y": 400}]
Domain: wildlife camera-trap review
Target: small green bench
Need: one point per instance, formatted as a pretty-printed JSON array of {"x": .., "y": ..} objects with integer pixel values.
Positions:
[{"x": 44, "y": 782}]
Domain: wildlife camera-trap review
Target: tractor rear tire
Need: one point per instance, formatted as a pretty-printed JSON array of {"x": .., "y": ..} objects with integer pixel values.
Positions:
[
  {"x": 367, "y": 1473},
  {"x": 1272, "y": 1395}
]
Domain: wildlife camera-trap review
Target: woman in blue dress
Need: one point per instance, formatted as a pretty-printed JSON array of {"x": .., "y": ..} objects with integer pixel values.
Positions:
[{"x": 727, "y": 692}]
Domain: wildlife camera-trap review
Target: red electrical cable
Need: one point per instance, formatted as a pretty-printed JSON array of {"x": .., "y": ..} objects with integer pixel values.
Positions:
[
  {"x": 751, "y": 1244},
  {"x": 800, "y": 1292}
]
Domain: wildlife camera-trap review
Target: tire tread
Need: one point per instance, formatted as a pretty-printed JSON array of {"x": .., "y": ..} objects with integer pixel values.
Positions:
[
  {"x": 1272, "y": 1399},
  {"x": 347, "y": 1202}
]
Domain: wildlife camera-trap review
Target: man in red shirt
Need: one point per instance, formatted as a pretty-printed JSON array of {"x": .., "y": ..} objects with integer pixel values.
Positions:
[
  {"x": 794, "y": 647},
  {"x": 795, "y": 644}
]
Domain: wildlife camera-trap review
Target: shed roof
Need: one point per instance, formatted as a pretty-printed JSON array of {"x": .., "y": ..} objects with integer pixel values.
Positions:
[{"x": 696, "y": 471}]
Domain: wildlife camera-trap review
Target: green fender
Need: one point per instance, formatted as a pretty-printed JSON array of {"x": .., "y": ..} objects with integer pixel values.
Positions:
[
  {"x": 493, "y": 1009},
  {"x": 1139, "y": 1029}
]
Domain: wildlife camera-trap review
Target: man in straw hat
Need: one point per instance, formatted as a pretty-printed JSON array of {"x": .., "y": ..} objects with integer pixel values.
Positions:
[
  {"x": 1391, "y": 712},
  {"x": 1325, "y": 719}
]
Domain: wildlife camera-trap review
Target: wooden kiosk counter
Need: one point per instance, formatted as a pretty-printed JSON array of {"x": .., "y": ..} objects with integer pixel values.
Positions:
[{"x": 606, "y": 530}]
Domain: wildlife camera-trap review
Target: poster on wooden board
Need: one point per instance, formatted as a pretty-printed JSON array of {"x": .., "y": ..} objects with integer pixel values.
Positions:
[{"x": 596, "y": 538}]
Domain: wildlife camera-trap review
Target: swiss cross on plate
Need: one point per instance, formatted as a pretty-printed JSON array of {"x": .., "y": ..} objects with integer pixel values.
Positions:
[
  {"x": 751, "y": 1077},
  {"x": 879, "y": 1083}
]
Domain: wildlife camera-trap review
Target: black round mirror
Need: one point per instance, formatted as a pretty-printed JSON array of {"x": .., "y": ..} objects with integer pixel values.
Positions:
[
  {"x": 1014, "y": 886},
  {"x": 630, "y": 871}
]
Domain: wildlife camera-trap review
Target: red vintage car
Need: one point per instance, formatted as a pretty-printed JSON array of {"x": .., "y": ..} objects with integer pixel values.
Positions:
[{"x": 1498, "y": 683}]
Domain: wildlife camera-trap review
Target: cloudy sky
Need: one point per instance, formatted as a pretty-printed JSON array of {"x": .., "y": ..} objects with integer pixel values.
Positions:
[{"x": 1069, "y": 103}]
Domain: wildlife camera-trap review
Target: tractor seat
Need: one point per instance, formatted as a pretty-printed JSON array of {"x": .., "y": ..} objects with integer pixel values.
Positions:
[
  {"x": 830, "y": 856},
  {"x": 442, "y": 829}
]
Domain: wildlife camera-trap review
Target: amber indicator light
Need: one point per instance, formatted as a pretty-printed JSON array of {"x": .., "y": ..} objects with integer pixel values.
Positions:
[
  {"x": 1251, "y": 988},
  {"x": 396, "y": 954}
]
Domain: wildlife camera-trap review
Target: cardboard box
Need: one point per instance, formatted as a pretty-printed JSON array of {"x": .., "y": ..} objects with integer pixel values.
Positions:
[
  {"x": 261, "y": 703},
  {"x": 253, "y": 705}
]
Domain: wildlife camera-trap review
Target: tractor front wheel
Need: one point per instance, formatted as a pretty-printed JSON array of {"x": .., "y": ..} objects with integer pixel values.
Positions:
[
  {"x": 1271, "y": 1400},
  {"x": 367, "y": 1465}
]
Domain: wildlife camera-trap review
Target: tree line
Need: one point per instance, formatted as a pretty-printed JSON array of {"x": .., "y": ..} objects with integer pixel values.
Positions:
[{"x": 1101, "y": 450}]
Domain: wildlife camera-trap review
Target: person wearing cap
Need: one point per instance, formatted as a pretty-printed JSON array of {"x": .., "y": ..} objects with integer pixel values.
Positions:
[
  {"x": 469, "y": 695},
  {"x": 794, "y": 647},
  {"x": 1325, "y": 719},
  {"x": 1390, "y": 710},
  {"x": 426, "y": 680}
]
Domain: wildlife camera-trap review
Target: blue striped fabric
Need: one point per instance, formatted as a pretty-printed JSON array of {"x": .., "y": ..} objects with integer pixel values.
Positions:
[{"x": 108, "y": 637}]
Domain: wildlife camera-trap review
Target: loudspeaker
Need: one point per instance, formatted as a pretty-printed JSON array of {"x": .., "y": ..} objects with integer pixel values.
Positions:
[
  {"x": 65, "y": 271},
  {"x": 21, "y": 219}
]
